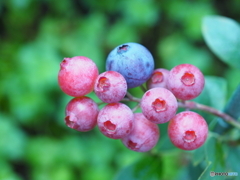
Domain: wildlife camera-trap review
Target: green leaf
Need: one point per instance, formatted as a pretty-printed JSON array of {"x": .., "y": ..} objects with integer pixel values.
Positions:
[
  {"x": 165, "y": 145},
  {"x": 217, "y": 91},
  {"x": 233, "y": 157},
  {"x": 233, "y": 109},
  {"x": 7, "y": 171},
  {"x": 147, "y": 168},
  {"x": 145, "y": 12},
  {"x": 214, "y": 152},
  {"x": 233, "y": 106},
  {"x": 222, "y": 35},
  {"x": 205, "y": 171},
  {"x": 214, "y": 95},
  {"x": 13, "y": 140},
  {"x": 169, "y": 46},
  {"x": 58, "y": 172},
  {"x": 198, "y": 156}
]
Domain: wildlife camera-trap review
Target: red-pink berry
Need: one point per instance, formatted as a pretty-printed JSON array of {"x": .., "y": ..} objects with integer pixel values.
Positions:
[
  {"x": 110, "y": 87},
  {"x": 81, "y": 114},
  {"x": 159, "y": 105},
  {"x": 77, "y": 75},
  {"x": 158, "y": 78},
  {"x": 188, "y": 130},
  {"x": 185, "y": 81},
  {"x": 115, "y": 120},
  {"x": 144, "y": 135}
]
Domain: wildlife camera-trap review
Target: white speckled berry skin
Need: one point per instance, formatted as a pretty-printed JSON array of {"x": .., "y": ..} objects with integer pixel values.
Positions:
[
  {"x": 178, "y": 88},
  {"x": 120, "y": 116},
  {"x": 144, "y": 135},
  {"x": 117, "y": 87},
  {"x": 162, "y": 82},
  {"x": 159, "y": 93},
  {"x": 81, "y": 114},
  {"x": 187, "y": 121},
  {"x": 77, "y": 76}
]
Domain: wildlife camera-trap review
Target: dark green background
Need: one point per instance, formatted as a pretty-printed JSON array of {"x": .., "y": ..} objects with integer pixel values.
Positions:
[{"x": 35, "y": 35}]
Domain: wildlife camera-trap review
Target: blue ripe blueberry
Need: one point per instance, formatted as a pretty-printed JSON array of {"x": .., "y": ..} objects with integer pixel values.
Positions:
[{"x": 133, "y": 61}]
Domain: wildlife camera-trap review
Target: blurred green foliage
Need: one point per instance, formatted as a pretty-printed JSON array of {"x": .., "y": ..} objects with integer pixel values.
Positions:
[{"x": 35, "y": 35}]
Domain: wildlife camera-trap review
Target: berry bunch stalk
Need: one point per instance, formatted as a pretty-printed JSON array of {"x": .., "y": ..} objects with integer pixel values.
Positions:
[{"x": 191, "y": 105}]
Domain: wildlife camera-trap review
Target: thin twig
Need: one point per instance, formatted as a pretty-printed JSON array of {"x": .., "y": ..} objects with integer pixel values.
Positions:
[
  {"x": 136, "y": 107},
  {"x": 193, "y": 105},
  {"x": 211, "y": 110},
  {"x": 143, "y": 88},
  {"x": 131, "y": 98},
  {"x": 100, "y": 103}
]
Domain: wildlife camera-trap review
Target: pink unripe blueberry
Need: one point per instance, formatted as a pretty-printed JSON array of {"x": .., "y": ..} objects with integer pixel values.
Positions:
[
  {"x": 185, "y": 81},
  {"x": 159, "y": 105},
  {"x": 81, "y": 114},
  {"x": 110, "y": 86},
  {"x": 77, "y": 75},
  {"x": 158, "y": 78},
  {"x": 144, "y": 135},
  {"x": 188, "y": 130},
  {"x": 115, "y": 120}
]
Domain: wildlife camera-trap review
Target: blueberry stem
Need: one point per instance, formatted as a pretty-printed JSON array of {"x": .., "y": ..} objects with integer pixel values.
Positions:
[
  {"x": 100, "y": 103},
  {"x": 136, "y": 107},
  {"x": 131, "y": 98},
  {"x": 211, "y": 110},
  {"x": 143, "y": 88},
  {"x": 193, "y": 105}
]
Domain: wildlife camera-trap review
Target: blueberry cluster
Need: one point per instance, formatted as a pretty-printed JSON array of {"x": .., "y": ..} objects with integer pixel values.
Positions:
[{"x": 127, "y": 66}]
